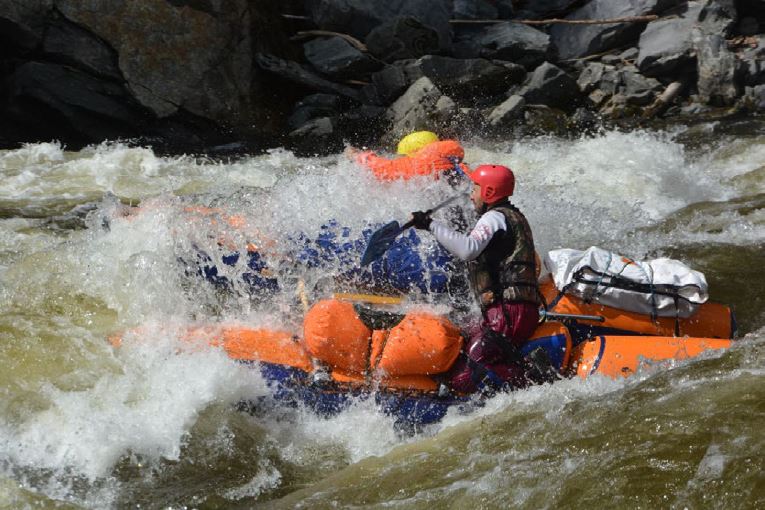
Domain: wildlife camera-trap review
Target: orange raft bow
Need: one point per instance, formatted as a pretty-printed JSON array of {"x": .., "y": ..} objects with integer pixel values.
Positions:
[
  {"x": 405, "y": 355},
  {"x": 433, "y": 159}
]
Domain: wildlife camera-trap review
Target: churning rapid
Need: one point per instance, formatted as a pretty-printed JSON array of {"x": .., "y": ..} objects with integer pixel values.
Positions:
[{"x": 150, "y": 423}]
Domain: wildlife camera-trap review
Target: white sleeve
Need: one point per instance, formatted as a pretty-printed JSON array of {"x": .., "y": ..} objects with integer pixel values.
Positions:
[{"x": 469, "y": 247}]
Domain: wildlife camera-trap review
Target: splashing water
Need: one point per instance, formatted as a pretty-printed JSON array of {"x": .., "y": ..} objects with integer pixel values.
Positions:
[{"x": 85, "y": 423}]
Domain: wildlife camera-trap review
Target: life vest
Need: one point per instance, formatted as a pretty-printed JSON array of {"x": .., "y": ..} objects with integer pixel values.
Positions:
[
  {"x": 506, "y": 269},
  {"x": 433, "y": 159}
]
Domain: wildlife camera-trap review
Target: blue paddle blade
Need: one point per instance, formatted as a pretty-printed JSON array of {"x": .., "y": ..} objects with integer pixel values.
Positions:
[{"x": 380, "y": 241}]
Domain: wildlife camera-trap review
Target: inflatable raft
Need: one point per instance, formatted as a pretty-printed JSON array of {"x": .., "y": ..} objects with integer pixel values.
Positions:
[{"x": 349, "y": 351}]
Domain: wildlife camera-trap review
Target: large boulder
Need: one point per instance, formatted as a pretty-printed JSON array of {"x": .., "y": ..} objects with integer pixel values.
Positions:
[
  {"x": 316, "y": 137},
  {"x": 414, "y": 110},
  {"x": 752, "y": 64},
  {"x": 717, "y": 69},
  {"x": 176, "y": 57},
  {"x": 755, "y": 97},
  {"x": 574, "y": 41},
  {"x": 336, "y": 57},
  {"x": 590, "y": 77},
  {"x": 403, "y": 37},
  {"x": 315, "y": 106},
  {"x": 392, "y": 81},
  {"x": 718, "y": 17},
  {"x": 52, "y": 99},
  {"x": 22, "y": 25},
  {"x": 666, "y": 45},
  {"x": 474, "y": 9},
  {"x": 542, "y": 9},
  {"x": 68, "y": 43},
  {"x": 550, "y": 85},
  {"x": 360, "y": 17},
  {"x": 507, "y": 113},
  {"x": 297, "y": 73},
  {"x": 517, "y": 43},
  {"x": 636, "y": 88},
  {"x": 471, "y": 78}
]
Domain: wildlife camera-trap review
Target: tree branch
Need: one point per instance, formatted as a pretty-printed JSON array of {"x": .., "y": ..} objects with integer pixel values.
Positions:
[{"x": 628, "y": 19}]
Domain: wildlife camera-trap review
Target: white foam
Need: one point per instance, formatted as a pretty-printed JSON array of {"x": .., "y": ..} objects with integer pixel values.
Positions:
[
  {"x": 146, "y": 409},
  {"x": 576, "y": 193}
]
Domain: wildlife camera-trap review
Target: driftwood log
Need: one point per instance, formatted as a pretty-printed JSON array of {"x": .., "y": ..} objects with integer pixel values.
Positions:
[
  {"x": 662, "y": 102},
  {"x": 553, "y": 21}
]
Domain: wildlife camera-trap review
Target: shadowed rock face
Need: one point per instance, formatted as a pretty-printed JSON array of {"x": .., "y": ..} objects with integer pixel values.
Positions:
[
  {"x": 574, "y": 41},
  {"x": 180, "y": 65},
  {"x": 189, "y": 74},
  {"x": 176, "y": 56}
]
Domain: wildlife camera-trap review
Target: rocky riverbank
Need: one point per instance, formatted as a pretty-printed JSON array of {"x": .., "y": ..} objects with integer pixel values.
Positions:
[{"x": 316, "y": 75}]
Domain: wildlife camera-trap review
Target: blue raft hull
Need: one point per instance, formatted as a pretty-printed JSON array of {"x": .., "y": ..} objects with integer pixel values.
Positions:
[{"x": 293, "y": 387}]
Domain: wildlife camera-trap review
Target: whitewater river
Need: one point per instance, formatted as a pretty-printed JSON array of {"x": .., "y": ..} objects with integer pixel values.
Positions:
[{"x": 84, "y": 424}]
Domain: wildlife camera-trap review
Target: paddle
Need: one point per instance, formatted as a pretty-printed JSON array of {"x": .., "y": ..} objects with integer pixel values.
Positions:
[
  {"x": 383, "y": 237},
  {"x": 545, "y": 315}
]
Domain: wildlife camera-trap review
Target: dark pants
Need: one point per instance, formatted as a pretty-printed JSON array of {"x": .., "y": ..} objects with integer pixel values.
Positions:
[{"x": 493, "y": 345}]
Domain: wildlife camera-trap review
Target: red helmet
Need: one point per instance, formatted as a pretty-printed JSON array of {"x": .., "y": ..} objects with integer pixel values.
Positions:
[{"x": 496, "y": 181}]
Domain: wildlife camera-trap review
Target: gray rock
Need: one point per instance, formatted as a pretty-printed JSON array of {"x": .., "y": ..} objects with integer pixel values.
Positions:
[
  {"x": 414, "y": 110},
  {"x": 86, "y": 107},
  {"x": 716, "y": 69},
  {"x": 176, "y": 57},
  {"x": 616, "y": 107},
  {"x": 403, "y": 38},
  {"x": 756, "y": 97},
  {"x": 597, "y": 97},
  {"x": 574, "y": 41},
  {"x": 360, "y": 17},
  {"x": 471, "y": 78},
  {"x": 332, "y": 101},
  {"x": 299, "y": 74},
  {"x": 543, "y": 119},
  {"x": 550, "y": 86},
  {"x": 590, "y": 77},
  {"x": 629, "y": 54},
  {"x": 752, "y": 64},
  {"x": 317, "y": 136},
  {"x": 363, "y": 125},
  {"x": 317, "y": 127},
  {"x": 610, "y": 80},
  {"x": 336, "y": 57},
  {"x": 390, "y": 83},
  {"x": 638, "y": 89},
  {"x": 445, "y": 110},
  {"x": 717, "y": 17},
  {"x": 302, "y": 114},
  {"x": 542, "y": 9},
  {"x": 507, "y": 112},
  {"x": 752, "y": 72},
  {"x": 66, "y": 42},
  {"x": 474, "y": 9},
  {"x": 22, "y": 25},
  {"x": 666, "y": 45},
  {"x": 517, "y": 43},
  {"x": 315, "y": 106}
]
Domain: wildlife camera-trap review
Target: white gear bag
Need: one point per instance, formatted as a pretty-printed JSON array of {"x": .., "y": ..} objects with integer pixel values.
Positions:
[{"x": 661, "y": 287}]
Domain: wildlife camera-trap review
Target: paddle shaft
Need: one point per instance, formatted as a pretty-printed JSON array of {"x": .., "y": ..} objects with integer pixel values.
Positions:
[
  {"x": 430, "y": 211},
  {"x": 563, "y": 316}
]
